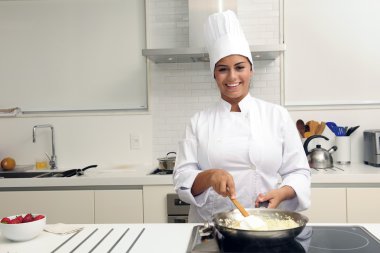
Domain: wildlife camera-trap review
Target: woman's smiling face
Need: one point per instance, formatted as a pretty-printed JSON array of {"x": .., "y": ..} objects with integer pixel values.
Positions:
[{"x": 233, "y": 74}]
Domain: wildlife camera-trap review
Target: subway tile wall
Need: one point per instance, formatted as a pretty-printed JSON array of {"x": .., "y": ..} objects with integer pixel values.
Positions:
[{"x": 178, "y": 90}]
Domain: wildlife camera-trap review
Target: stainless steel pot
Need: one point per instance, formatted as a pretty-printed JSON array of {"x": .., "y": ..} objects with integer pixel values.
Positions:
[
  {"x": 221, "y": 221},
  {"x": 168, "y": 162}
]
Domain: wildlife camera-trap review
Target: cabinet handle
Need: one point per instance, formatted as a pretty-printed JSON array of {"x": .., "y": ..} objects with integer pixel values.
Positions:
[{"x": 179, "y": 202}]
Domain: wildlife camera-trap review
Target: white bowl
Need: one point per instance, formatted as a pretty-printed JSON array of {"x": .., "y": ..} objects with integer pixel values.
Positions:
[{"x": 22, "y": 231}]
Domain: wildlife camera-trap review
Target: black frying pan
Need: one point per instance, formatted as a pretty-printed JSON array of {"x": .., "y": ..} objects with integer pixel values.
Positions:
[
  {"x": 68, "y": 173},
  {"x": 73, "y": 172},
  {"x": 221, "y": 220}
]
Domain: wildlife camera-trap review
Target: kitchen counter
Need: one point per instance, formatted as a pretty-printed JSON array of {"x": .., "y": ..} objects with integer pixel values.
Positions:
[
  {"x": 138, "y": 175},
  {"x": 357, "y": 174},
  {"x": 154, "y": 238}
]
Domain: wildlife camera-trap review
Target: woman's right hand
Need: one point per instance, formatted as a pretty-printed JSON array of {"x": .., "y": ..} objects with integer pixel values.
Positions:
[{"x": 220, "y": 180}]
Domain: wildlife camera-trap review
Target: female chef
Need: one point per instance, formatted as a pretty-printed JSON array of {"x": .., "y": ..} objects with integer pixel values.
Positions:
[{"x": 241, "y": 147}]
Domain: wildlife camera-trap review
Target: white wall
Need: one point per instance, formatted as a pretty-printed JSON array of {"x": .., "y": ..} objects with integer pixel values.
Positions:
[
  {"x": 179, "y": 90},
  {"x": 80, "y": 140}
]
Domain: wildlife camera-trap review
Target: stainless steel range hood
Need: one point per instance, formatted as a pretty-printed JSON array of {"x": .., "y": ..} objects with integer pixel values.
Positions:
[
  {"x": 183, "y": 55},
  {"x": 199, "y": 10}
]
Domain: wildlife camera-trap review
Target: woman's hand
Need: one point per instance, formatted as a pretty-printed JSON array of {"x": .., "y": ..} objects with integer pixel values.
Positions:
[
  {"x": 275, "y": 197},
  {"x": 220, "y": 180}
]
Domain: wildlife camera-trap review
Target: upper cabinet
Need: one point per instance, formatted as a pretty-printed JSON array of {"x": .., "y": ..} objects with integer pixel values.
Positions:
[
  {"x": 186, "y": 55},
  {"x": 73, "y": 56}
]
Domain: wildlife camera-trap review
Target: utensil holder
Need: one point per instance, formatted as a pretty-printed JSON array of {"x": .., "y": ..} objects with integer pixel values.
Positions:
[{"x": 343, "y": 154}]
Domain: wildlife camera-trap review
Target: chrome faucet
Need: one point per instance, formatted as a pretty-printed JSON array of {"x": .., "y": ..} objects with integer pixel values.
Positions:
[{"x": 53, "y": 158}]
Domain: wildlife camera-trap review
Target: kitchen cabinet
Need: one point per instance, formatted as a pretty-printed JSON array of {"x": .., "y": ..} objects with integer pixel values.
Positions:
[
  {"x": 327, "y": 205},
  {"x": 74, "y": 41},
  {"x": 79, "y": 206},
  {"x": 58, "y": 206},
  {"x": 118, "y": 206},
  {"x": 341, "y": 30},
  {"x": 155, "y": 203},
  {"x": 363, "y": 205}
]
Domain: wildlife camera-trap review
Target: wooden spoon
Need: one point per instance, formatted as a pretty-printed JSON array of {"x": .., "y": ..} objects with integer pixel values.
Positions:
[
  {"x": 321, "y": 128},
  {"x": 251, "y": 222},
  {"x": 301, "y": 127},
  {"x": 240, "y": 207},
  {"x": 313, "y": 126}
]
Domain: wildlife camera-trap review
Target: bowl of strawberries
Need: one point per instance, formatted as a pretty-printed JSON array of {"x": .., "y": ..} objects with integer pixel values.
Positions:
[{"x": 22, "y": 227}]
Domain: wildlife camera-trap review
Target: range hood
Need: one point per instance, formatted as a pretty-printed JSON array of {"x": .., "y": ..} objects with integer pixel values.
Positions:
[
  {"x": 199, "y": 10},
  {"x": 186, "y": 55}
]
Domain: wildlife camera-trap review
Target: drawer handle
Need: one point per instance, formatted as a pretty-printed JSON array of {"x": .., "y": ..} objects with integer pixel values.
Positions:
[{"x": 179, "y": 202}]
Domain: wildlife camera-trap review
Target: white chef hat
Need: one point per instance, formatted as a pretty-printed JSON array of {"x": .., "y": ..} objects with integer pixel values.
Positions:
[{"x": 224, "y": 36}]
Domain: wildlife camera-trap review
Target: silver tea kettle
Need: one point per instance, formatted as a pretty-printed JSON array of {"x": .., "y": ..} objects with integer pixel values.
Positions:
[{"x": 319, "y": 158}]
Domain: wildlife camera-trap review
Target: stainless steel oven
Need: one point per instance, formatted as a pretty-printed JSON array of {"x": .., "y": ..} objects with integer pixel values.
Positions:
[{"x": 177, "y": 210}]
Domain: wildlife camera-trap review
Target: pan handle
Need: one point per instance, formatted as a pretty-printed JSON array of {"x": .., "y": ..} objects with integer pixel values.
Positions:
[
  {"x": 80, "y": 172},
  {"x": 264, "y": 204},
  {"x": 89, "y": 167}
]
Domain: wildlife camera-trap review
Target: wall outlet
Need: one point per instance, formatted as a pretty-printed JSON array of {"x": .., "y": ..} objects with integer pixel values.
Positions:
[{"x": 135, "y": 141}]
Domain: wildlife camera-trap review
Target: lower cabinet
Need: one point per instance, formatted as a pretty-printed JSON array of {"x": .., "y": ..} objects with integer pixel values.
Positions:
[
  {"x": 363, "y": 205},
  {"x": 119, "y": 206},
  {"x": 155, "y": 203},
  {"x": 79, "y": 206},
  {"x": 328, "y": 205},
  {"x": 148, "y": 205},
  {"x": 58, "y": 206}
]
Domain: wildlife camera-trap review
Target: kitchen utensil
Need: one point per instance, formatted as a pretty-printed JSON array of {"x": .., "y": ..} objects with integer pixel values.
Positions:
[
  {"x": 313, "y": 126},
  {"x": 351, "y": 130},
  {"x": 301, "y": 127},
  {"x": 341, "y": 131},
  {"x": 321, "y": 128},
  {"x": 167, "y": 162},
  {"x": 73, "y": 172},
  {"x": 239, "y": 207},
  {"x": 319, "y": 158},
  {"x": 308, "y": 134},
  {"x": 223, "y": 220},
  {"x": 68, "y": 173},
  {"x": 333, "y": 127},
  {"x": 249, "y": 221}
]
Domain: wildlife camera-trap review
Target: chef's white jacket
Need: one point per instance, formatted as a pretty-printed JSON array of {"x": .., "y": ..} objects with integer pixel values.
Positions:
[{"x": 259, "y": 146}]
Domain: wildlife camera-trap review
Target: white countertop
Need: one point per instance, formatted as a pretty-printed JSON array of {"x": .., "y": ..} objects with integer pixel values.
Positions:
[
  {"x": 155, "y": 238},
  {"x": 138, "y": 175},
  {"x": 358, "y": 173}
]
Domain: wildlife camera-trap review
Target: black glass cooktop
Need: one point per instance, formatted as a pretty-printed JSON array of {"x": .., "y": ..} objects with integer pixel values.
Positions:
[{"x": 313, "y": 239}]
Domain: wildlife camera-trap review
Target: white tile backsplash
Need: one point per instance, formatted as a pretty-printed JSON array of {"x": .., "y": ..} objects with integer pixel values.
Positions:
[{"x": 178, "y": 90}]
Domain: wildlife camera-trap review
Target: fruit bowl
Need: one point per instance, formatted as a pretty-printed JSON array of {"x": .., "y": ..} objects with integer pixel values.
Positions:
[{"x": 32, "y": 226}]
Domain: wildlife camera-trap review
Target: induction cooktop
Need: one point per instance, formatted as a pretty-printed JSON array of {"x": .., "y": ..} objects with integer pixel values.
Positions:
[{"x": 313, "y": 239}]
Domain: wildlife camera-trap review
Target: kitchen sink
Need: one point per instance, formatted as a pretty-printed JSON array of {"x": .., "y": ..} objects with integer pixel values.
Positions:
[{"x": 25, "y": 174}]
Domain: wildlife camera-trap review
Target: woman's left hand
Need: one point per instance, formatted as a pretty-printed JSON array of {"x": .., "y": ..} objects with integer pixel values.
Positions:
[{"x": 275, "y": 197}]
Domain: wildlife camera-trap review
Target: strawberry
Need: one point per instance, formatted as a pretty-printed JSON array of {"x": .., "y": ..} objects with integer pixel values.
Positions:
[
  {"x": 19, "y": 218},
  {"x": 28, "y": 218},
  {"x": 15, "y": 221},
  {"x": 38, "y": 217},
  {"x": 5, "y": 220}
]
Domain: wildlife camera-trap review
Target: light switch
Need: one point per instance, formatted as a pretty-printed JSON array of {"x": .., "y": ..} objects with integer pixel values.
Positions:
[{"x": 135, "y": 141}]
